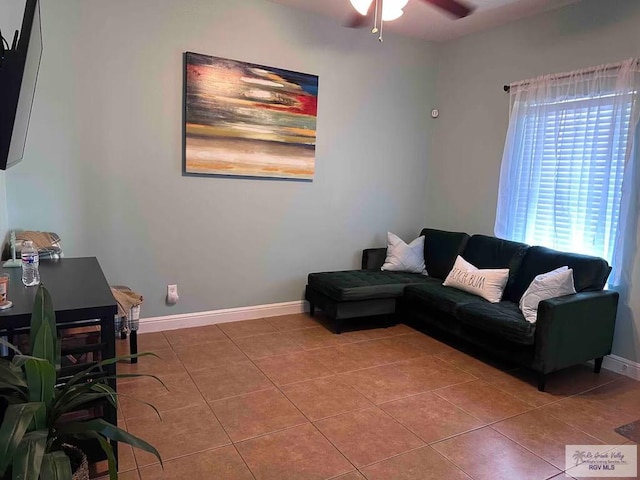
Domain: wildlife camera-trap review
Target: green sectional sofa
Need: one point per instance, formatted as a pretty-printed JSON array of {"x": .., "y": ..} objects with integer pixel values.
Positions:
[{"x": 569, "y": 330}]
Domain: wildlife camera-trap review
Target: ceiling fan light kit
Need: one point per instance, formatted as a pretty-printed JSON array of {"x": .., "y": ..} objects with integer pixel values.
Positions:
[
  {"x": 391, "y": 9},
  {"x": 361, "y": 6},
  {"x": 381, "y": 11}
]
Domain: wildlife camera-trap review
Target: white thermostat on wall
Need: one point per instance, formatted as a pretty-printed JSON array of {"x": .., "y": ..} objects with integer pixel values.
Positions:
[{"x": 435, "y": 113}]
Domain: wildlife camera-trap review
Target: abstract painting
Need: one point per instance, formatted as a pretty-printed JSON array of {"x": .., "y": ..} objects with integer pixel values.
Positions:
[{"x": 242, "y": 119}]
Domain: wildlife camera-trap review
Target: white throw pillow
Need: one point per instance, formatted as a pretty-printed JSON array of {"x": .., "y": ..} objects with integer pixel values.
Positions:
[
  {"x": 402, "y": 257},
  {"x": 488, "y": 283},
  {"x": 555, "y": 283}
]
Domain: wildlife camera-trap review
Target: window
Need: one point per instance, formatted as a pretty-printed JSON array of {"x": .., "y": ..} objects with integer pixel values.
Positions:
[
  {"x": 564, "y": 163},
  {"x": 572, "y": 177}
]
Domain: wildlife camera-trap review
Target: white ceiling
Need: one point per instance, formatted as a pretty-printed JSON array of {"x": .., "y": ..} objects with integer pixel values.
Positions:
[{"x": 428, "y": 22}]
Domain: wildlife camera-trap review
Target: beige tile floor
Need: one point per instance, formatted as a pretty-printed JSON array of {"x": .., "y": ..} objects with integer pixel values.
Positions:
[{"x": 284, "y": 398}]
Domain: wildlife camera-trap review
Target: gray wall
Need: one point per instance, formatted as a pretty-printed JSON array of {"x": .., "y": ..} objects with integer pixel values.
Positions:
[
  {"x": 469, "y": 135},
  {"x": 102, "y": 165}
]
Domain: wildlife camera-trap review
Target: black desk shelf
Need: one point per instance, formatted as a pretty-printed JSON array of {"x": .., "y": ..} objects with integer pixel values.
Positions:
[{"x": 81, "y": 297}]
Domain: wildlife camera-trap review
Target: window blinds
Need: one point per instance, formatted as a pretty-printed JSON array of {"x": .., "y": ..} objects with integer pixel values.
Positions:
[{"x": 571, "y": 165}]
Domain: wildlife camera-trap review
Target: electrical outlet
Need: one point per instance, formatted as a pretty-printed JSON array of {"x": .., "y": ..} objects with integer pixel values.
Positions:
[{"x": 172, "y": 294}]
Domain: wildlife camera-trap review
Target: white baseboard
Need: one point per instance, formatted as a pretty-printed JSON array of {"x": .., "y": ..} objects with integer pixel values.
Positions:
[
  {"x": 200, "y": 319},
  {"x": 622, "y": 366}
]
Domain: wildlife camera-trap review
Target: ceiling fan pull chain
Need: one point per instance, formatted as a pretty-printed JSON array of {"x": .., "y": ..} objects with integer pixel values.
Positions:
[
  {"x": 375, "y": 18},
  {"x": 381, "y": 24}
]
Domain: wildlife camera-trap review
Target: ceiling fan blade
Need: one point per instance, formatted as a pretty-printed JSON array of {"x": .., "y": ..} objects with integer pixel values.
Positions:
[
  {"x": 454, "y": 7},
  {"x": 356, "y": 20}
]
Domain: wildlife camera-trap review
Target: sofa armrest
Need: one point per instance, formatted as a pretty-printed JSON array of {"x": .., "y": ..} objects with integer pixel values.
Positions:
[
  {"x": 574, "y": 328},
  {"x": 373, "y": 258}
]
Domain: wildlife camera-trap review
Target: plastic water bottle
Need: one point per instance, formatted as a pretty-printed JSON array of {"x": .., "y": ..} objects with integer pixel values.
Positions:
[{"x": 30, "y": 264}]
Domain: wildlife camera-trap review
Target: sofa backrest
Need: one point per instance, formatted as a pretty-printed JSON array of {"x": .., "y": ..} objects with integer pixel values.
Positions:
[
  {"x": 589, "y": 273},
  {"x": 490, "y": 252},
  {"x": 441, "y": 249}
]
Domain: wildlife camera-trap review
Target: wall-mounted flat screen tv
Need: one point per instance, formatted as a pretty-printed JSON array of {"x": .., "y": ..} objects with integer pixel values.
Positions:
[{"x": 19, "y": 64}]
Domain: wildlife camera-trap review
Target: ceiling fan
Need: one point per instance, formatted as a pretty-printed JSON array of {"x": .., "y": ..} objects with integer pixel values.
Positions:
[{"x": 374, "y": 11}]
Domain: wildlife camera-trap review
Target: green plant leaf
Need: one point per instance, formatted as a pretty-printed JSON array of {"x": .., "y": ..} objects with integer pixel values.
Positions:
[
  {"x": 14, "y": 370},
  {"x": 41, "y": 378},
  {"x": 138, "y": 375},
  {"x": 14, "y": 397},
  {"x": 45, "y": 343},
  {"x": 81, "y": 394},
  {"x": 18, "y": 361},
  {"x": 73, "y": 394},
  {"x": 108, "y": 431},
  {"x": 69, "y": 389},
  {"x": 10, "y": 346},
  {"x": 80, "y": 376},
  {"x": 56, "y": 466},
  {"x": 12, "y": 378},
  {"x": 37, "y": 315},
  {"x": 113, "y": 466},
  {"x": 44, "y": 340},
  {"x": 106, "y": 447},
  {"x": 17, "y": 419},
  {"x": 28, "y": 458},
  {"x": 141, "y": 401},
  {"x": 67, "y": 396},
  {"x": 110, "y": 393},
  {"x": 76, "y": 404}
]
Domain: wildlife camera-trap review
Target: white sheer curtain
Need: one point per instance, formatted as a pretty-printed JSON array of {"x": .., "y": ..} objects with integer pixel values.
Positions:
[{"x": 569, "y": 178}]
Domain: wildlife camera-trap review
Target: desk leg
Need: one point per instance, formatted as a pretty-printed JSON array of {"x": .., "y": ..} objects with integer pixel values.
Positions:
[{"x": 109, "y": 338}]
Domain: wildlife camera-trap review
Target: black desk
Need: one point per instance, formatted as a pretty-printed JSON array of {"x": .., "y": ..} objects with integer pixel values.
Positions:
[
  {"x": 77, "y": 286},
  {"x": 81, "y": 297}
]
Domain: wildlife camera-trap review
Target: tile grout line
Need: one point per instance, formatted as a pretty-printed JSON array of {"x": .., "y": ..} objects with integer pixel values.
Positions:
[
  {"x": 419, "y": 393},
  {"x": 211, "y": 409},
  {"x": 178, "y": 457},
  {"x": 425, "y": 444},
  {"x": 562, "y": 470},
  {"x": 492, "y": 424},
  {"x": 310, "y": 422},
  {"x": 446, "y": 459},
  {"x": 309, "y": 349},
  {"x": 450, "y": 436},
  {"x": 302, "y": 413},
  {"x": 268, "y": 433},
  {"x": 278, "y": 387}
]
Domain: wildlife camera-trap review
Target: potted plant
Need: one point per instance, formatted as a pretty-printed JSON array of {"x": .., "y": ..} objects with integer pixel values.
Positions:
[{"x": 35, "y": 439}]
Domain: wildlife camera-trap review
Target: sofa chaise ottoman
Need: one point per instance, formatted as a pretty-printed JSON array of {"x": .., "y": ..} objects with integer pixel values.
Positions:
[{"x": 351, "y": 294}]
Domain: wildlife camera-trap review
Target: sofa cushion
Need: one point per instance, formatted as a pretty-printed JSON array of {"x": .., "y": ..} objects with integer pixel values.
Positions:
[
  {"x": 364, "y": 284},
  {"x": 556, "y": 283},
  {"x": 441, "y": 249},
  {"x": 589, "y": 273},
  {"x": 487, "y": 283},
  {"x": 503, "y": 320},
  {"x": 403, "y": 257},
  {"x": 436, "y": 296},
  {"x": 491, "y": 252}
]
